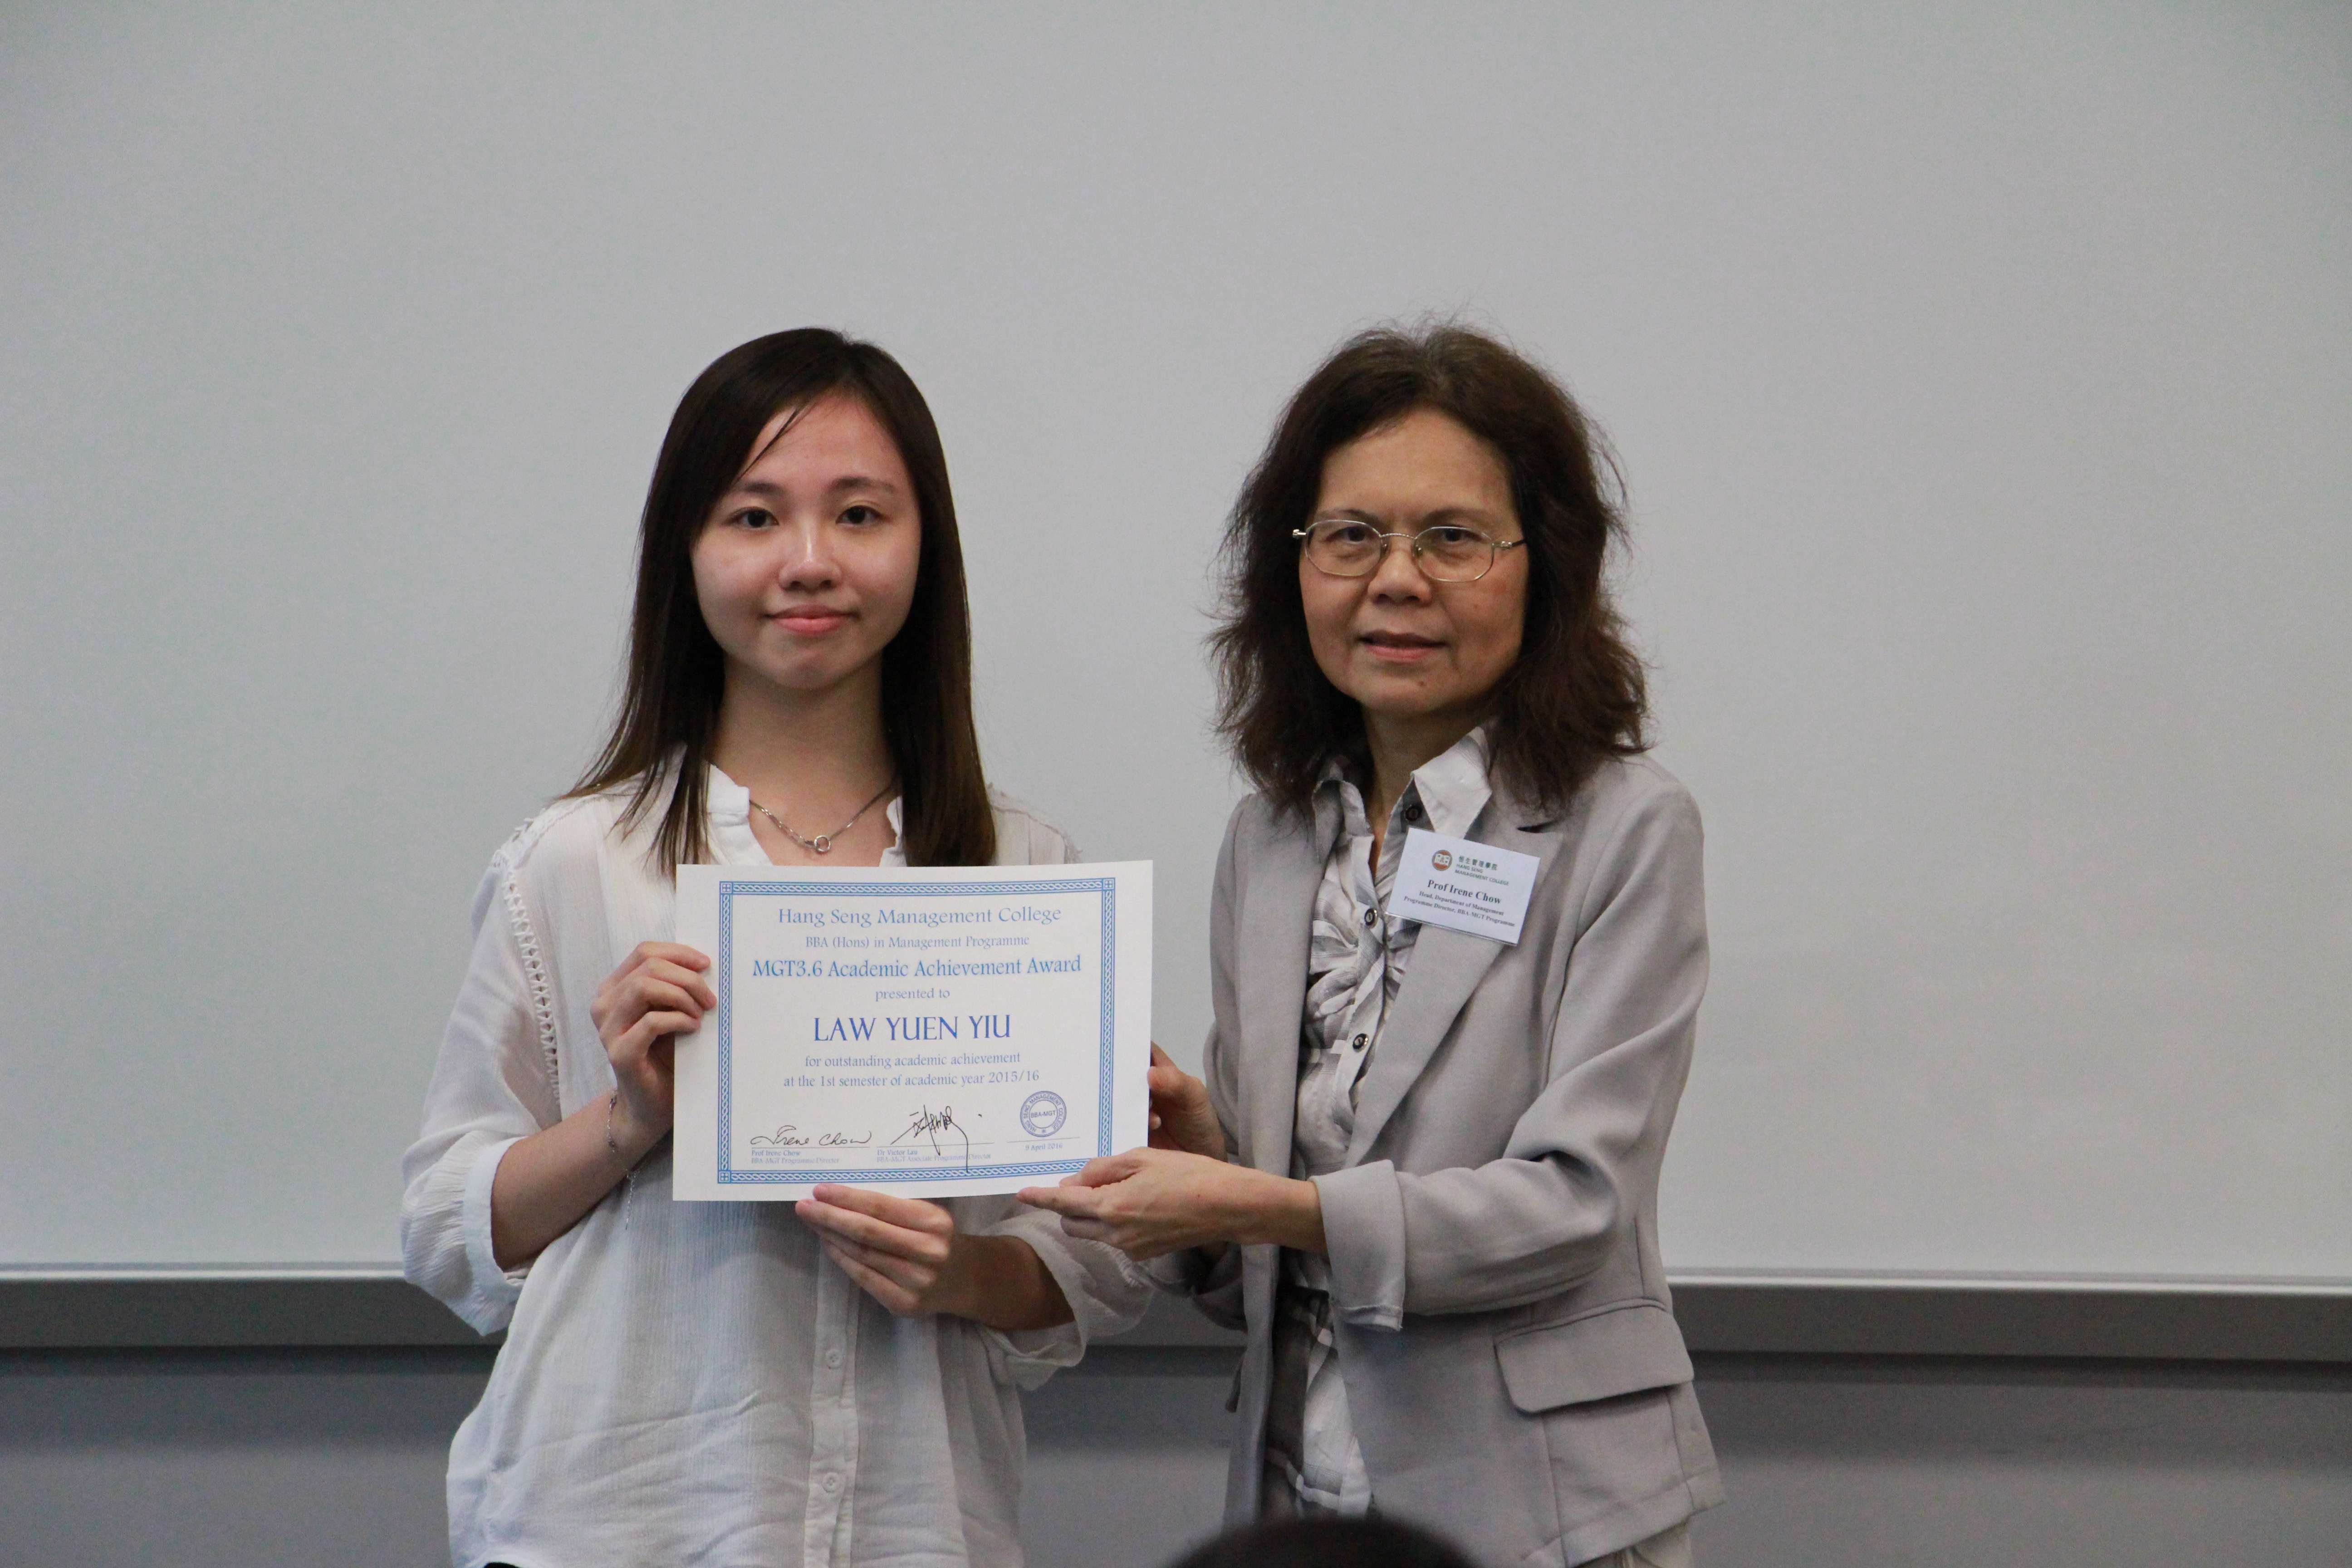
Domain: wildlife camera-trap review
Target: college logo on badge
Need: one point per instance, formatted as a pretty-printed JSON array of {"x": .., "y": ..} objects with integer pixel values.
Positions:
[
  {"x": 1441, "y": 859},
  {"x": 1043, "y": 1113}
]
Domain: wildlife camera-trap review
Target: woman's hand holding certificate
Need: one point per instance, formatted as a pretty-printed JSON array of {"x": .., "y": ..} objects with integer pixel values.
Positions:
[
  {"x": 1182, "y": 1116},
  {"x": 546, "y": 1183},
  {"x": 906, "y": 1254},
  {"x": 1181, "y": 1192},
  {"x": 658, "y": 992},
  {"x": 1150, "y": 1202}
]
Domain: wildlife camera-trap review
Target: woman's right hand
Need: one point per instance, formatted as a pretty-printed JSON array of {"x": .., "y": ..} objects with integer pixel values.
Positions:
[
  {"x": 1182, "y": 1117},
  {"x": 657, "y": 993},
  {"x": 547, "y": 1181}
]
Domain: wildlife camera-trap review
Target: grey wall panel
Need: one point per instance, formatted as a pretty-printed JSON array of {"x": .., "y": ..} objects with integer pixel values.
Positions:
[
  {"x": 230, "y": 1459},
  {"x": 221, "y": 1459},
  {"x": 1127, "y": 1462},
  {"x": 1864, "y": 1463}
]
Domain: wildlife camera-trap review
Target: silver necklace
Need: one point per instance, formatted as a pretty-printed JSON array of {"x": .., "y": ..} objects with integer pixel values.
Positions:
[{"x": 823, "y": 843}]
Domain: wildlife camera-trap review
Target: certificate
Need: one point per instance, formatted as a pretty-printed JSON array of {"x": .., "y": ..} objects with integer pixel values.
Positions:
[{"x": 928, "y": 1031}]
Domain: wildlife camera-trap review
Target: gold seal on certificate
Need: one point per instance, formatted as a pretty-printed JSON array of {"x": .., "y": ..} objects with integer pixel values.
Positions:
[{"x": 929, "y": 1031}]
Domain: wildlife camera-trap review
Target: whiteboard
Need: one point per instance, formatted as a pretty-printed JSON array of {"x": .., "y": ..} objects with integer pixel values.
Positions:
[{"x": 1983, "y": 379}]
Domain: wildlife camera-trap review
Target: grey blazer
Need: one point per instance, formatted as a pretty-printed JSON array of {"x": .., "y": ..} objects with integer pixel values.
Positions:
[{"x": 1514, "y": 1370}]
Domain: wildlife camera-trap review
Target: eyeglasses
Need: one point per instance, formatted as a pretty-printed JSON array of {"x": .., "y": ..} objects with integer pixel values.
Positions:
[{"x": 1444, "y": 552}]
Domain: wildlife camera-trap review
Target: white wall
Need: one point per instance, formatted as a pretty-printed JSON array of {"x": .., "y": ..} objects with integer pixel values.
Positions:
[{"x": 1980, "y": 373}]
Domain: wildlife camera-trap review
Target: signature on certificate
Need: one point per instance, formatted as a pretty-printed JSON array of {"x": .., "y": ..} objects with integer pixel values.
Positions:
[
  {"x": 928, "y": 1123},
  {"x": 790, "y": 1137}
]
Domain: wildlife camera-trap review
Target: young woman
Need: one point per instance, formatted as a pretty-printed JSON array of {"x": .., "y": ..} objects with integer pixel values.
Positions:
[
  {"x": 833, "y": 1382},
  {"x": 1423, "y": 1170}
]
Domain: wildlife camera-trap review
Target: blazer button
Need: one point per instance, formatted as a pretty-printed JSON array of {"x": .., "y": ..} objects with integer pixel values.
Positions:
[
  {"x": 1372, "y": 916},
  {"x": 1413, "y": 812},
  {"x": 1360, "y": 1041}
]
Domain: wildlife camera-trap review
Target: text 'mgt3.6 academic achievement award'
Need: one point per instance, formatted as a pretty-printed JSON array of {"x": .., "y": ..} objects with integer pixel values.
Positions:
[{"x": 929, "y": 1031}]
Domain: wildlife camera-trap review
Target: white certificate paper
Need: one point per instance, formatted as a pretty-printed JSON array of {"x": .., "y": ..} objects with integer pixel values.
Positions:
[{"x": 929, "y": 1031}]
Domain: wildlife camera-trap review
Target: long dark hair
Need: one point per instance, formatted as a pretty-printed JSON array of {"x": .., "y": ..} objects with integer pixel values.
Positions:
[
  {"x": 670, "y": 710},
  {"x": 1576, "y": 695}
]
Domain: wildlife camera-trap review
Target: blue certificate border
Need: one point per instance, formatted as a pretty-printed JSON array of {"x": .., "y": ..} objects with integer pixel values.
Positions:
[{"x": 1107, "y": 891}]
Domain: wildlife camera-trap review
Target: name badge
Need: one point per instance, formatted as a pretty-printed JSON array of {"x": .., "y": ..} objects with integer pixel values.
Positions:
[{"x": 1463, "y": 886}]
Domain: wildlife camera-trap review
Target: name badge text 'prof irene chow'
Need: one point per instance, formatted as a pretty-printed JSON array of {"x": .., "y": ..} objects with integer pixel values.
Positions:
[
  {"x": 929, "y": 1031},
  {"x": 1463, "y": 886}
]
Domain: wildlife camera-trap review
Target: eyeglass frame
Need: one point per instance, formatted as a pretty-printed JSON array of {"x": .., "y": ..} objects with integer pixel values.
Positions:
[{"x": 1495, "y": 548}]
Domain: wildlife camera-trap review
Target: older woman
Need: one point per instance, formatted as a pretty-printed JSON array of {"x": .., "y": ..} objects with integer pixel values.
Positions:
[{"x": 1422, "y": 1172}]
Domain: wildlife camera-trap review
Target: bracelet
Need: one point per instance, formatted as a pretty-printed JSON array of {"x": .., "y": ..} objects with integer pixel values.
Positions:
[{"x": 613, "y": 1103}]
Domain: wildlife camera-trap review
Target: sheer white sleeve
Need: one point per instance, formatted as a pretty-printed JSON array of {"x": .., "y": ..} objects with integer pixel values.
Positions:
[
  {"x": 1107, "y": 1293},
  {"x": 493, "y": 1085}
]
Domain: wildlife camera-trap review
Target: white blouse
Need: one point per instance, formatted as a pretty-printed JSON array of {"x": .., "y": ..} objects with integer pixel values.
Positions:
[{"x": 698, "y": 1382}]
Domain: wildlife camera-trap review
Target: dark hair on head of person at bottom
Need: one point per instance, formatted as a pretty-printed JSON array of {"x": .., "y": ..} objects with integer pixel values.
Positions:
[{"x": 1326, "y": 1542}]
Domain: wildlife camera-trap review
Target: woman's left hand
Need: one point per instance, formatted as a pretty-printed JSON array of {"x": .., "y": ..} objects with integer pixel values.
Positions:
[
  {"x": 907, "y": 1254},
  {"x": 1182, "y": 1116},
  {"x": 1152, "y": 1202},
  {"x": 900, "y": 1251}
]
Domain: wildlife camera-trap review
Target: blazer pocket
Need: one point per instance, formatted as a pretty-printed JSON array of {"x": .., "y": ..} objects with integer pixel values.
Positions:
[{"x": 1617, "y": 1349}]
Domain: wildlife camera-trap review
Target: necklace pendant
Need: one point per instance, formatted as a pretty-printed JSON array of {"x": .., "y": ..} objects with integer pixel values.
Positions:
[{"x": 823, "y": 843}]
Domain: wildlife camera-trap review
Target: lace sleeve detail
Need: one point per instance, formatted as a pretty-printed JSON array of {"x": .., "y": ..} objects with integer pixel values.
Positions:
[
  {"x": 493, "y": 1085},
  {"x": 534, "y": 973}
]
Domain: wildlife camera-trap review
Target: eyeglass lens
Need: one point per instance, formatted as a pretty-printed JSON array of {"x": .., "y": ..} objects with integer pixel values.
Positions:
[{"x": 1445, "y": 553}]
